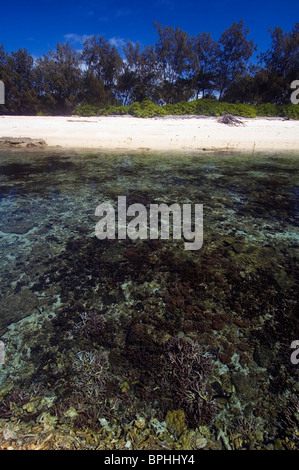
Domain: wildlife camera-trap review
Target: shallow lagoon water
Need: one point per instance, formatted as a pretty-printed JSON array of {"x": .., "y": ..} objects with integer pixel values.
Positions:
[{"x": 121, "y": 344}]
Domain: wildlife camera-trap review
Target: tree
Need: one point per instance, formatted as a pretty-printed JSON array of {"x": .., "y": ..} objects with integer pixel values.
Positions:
[
  {"x": 59, "y": 79},
  {"x": 173, "y": 55},
  {"x": 3, "y": 74},
  {"x": 233, "y": 56},
  {"x": 103, "y": 60},
  {"x": 139, "y": 78},
  {"x": 93, "y": 91},
  {"x": 176, "y": 68},
  {"x": 281, "y": 62},
  {"x": 19, "y": 79},
  {"x": 204, "y": 51},
  {"x": 127, "y": 86},
  {"x": 3, "y": 60}
]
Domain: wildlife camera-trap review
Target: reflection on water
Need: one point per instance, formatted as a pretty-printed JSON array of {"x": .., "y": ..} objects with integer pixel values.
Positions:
[{"x": 141, "y": 344}]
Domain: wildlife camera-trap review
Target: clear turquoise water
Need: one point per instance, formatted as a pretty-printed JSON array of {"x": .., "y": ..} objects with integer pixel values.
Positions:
[{"x": 118, "y": 329}]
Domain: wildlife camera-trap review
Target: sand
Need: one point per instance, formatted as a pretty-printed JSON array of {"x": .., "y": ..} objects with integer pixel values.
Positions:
[{"x": 167, "y": 133}]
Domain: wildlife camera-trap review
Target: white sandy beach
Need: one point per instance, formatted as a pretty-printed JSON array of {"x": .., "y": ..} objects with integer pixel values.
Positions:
[{"x": 167, "y": 133}]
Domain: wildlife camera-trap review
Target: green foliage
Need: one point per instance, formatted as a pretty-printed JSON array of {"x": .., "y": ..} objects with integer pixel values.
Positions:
[
  {"x": 18, "y": 74},
  {"x": 173, "y": 71},
  {"x": 281, "y": 61},
  {"x": 290, "y": 111},
  {"x": 85, "y": 110},
  {"x": 42, "y": 113},
  {"x": 244, "y": 110},
  {"x": 267, "y": 109},
  {"x": 201, "y": 107},
  {"x": 59, "y": 80},
  {"x": 234, "y": 53},
  {"x": 102, "y": 59},
  {"x": 113, "y": 110},
  {"x": 146, "y": 109},
  {"x": 180, "y": 109},
  {"x": 208, "y": 107}
]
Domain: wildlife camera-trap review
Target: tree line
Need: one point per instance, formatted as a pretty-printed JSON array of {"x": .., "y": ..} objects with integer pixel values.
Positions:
[{"x": 177, "y": 68}]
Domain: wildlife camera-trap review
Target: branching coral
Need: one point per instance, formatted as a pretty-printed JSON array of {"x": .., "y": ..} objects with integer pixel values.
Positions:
[
  {"x": 188, "y": 370},
  {"x": 92, "y": 373},
  {"x": 91, "y": 324},
  {"x": 18, "y": 397}
]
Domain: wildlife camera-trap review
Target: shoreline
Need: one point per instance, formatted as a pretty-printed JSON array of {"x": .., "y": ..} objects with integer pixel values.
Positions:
[{"x": 170, "y": 133}]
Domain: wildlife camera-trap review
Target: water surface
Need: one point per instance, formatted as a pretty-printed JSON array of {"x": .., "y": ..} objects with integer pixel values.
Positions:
[{"x": 142, "y": 344}]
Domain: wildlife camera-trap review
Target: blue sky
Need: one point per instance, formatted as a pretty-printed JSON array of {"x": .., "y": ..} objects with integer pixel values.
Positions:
[{"x": 39, "y": 25}]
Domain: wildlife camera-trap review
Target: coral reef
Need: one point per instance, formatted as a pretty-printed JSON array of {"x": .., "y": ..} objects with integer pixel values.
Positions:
[{"x": 117, "y": 344}]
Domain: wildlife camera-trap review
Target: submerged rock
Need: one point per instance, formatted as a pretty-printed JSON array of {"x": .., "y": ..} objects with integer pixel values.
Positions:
[
  {"x": 21, "y": 142},
  {"x": 15, "y": 306}
]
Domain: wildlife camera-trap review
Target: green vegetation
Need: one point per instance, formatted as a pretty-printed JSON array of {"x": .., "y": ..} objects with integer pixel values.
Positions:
[
  {"x": 146, "y": 109},
  {"x": 167, "y": 77},
  {"x": 202, "y": 107}
]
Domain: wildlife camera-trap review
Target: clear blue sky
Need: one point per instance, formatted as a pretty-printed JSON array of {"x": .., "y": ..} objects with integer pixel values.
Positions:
[{"x": 39, "y": 25}]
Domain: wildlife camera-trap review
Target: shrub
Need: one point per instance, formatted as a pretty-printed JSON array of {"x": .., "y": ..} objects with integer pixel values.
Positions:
[
  {"x": 208, "y": 107},
  {"x": 43, "y": 113},
  {"x": 182, "y": 108},
  {"x": 266, "y": 109},
  {"x": 146, "y": 109},
  {"x": 205, "y": 107},
  {"x": 113, "y": 110},
  {"x": 290, "y": 111},
  {"x": 85, "y": 110},
  {"x": 244, "y": 110}
]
